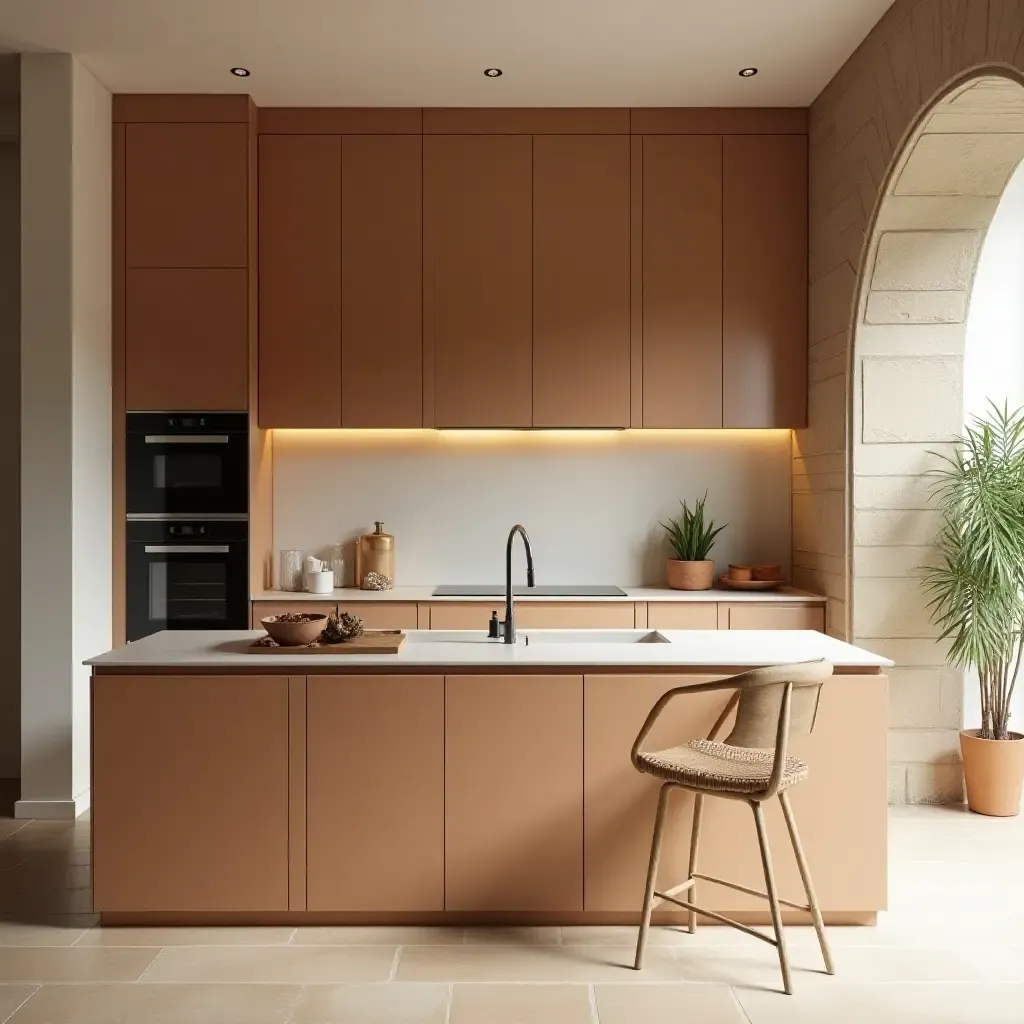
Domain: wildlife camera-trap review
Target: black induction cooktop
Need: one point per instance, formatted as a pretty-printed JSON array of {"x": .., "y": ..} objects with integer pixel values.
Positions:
[{"x": 497, "y": 590}]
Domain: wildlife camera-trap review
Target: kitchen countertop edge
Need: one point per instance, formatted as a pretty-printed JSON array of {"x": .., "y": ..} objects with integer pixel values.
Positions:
[
  {"x": 222, "y": 650},
  {"x": 423, "y": 595}
]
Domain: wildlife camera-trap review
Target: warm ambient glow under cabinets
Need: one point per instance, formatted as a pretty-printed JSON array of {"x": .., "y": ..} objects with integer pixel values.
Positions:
[{"x": 609, "y": 437}]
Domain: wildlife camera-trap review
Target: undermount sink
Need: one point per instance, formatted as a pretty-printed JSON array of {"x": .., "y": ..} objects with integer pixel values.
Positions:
[
  {"x": 540, "y": 636},
  {"x": 592, "y": 636}
]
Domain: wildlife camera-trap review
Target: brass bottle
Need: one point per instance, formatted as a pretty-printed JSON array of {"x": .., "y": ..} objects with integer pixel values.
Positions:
[{"x": 375, "y": 553}]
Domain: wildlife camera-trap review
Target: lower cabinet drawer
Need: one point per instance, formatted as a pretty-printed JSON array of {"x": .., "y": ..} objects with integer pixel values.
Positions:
[
  {"x": 375, "y": 615},
  {"x": 774, "y": 616},
  {"x": 684, "y": 615},
  {"x": 536, "y": 614}
]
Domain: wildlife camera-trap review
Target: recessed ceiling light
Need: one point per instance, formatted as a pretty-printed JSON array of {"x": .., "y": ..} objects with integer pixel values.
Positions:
[
  {"x": 748, "y": 72},
  {"x": 492, "y": 72},
  {"x": 241, "y": 72}
]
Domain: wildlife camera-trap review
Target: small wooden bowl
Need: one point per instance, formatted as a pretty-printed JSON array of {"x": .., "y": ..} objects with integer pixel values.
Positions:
[
  {"x": 740, "y": 573},
  {"x": 768, "y": 573},
  {"x": 295, "y": 634}
]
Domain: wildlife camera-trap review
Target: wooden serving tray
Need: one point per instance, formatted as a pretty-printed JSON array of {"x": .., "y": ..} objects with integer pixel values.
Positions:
[
  {"x": 750, "y": 584},
  {"x": 371, "y": 642}
]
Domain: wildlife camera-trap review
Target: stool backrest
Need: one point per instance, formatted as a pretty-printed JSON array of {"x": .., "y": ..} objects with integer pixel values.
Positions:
[{"x": 763, "y": 703}]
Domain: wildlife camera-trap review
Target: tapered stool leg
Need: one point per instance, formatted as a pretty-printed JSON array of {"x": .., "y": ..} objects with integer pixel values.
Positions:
[
  {"x": 652, "y": 877},
  {"x": 805, "y": 877},
  {"x": 773, "y": 898},
  {"x": 691, "y": 896}
]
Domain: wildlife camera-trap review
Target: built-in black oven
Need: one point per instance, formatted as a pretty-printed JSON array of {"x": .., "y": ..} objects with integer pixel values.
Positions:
[
  {"x": 187, "y": 574},
  {"x": 190, "y": 463}
]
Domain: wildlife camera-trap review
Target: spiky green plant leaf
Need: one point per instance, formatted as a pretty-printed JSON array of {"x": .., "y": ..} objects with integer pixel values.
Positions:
[
  {"x": 691, "y": 534},
  {"x": 976, "y": 586}
]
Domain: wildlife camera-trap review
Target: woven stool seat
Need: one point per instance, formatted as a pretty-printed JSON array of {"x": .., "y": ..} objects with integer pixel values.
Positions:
[{"x": 719, "y": 767}]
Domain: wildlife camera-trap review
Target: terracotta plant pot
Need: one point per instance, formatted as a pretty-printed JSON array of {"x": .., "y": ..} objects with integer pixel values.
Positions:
[
  {"x": 994, "y": 772},
  {"x": 690, "y": 575}
]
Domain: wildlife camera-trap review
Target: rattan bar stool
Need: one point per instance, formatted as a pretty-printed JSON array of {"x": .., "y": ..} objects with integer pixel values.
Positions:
[{"x": 772, "y": 704}]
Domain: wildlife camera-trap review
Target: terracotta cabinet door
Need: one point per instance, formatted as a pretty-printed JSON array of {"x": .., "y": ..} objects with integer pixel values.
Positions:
[
  {"x": 190, "y": 793},
  {"x": 619, "y": 802},
  {"x": 300, "y": 281},
  {"x": 682, "y": 280},
  {"x": 581, "y": 261},
  {"x": 186, "y": 340},
  {"x": 478, "y": 278},
  {"x": 375, "y": 793},
  {"x": 186, "y": 195},
  {"x": 382, "y": 281},
  {"x": 513, "y": 793},
  {"x": 765, "y": 281}
]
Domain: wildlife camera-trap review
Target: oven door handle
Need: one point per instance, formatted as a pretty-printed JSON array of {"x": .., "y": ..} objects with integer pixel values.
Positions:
[
  {"x": 187, "y": 549},
  {"x": 187, "y": 439}
]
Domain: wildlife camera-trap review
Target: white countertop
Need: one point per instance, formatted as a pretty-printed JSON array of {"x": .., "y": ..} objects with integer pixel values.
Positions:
[
  {"x": 348, "y": 595},
  {"x": 423, "y": 649}
]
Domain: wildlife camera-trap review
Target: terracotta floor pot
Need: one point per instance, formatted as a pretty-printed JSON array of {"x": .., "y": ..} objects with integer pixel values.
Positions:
[
  {"x": 994, "y": 772},
  {"x": 690, "y": 575}
]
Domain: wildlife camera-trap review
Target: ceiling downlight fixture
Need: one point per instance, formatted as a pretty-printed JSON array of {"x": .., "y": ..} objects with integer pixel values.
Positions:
[
  {"x": 747, "y": 72},
  {"x": 241, "y": 72},
  {"x": 492, "y": 72}
]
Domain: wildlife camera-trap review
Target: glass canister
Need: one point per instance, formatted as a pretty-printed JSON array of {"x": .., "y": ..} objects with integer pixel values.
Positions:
[
  {"x": 290, "y": 576},
  {"x": 336, "y": 563},
  {"x": 375, "y": 558}
]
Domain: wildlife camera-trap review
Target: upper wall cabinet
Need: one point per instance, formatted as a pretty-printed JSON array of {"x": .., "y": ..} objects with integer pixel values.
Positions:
[
  {"x": 682, "y": 280},
  {"x": 381, "y": 281},
  {"x": 341, "y": 281},
  {"x": 300, "y": 281},
  {"x": 581, "y": 281},
  {"x": 478, "y": 195},
  {"x": 765, "y": 280},
  {"x": 185, "y": 200},
  {"x": 187, "y": 340}
]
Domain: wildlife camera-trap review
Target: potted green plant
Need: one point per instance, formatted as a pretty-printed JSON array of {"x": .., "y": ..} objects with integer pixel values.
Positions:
[
  {"x": 692, "y": 537},
  {"x": 976, "y": 593}
]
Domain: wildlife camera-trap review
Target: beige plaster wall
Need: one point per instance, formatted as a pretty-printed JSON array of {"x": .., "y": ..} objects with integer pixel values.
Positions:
[
  {"x": 900, "y": 134},
  {"x": 10, "y": 409}
]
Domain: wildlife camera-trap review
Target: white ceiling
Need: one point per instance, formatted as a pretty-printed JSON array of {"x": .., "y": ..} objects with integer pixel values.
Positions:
[{"x": 433, "y": 52}]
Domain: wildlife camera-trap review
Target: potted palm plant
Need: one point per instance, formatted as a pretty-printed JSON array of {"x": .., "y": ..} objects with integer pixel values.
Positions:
[
  {"x": 976, "y": 593},
  {"x": 692, "y": 537}
]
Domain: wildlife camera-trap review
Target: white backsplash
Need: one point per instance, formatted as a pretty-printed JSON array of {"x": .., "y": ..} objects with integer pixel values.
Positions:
[{"x": 590, "y": 501}]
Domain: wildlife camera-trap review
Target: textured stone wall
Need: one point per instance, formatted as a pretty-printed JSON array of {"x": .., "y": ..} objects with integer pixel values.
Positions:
[{"x": 911, "y": 145}]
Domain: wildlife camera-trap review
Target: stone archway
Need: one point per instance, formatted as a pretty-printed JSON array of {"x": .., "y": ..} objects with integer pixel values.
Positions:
[
  {"x": 906, "y": 389},
  {"x": 911, "y": 145}
]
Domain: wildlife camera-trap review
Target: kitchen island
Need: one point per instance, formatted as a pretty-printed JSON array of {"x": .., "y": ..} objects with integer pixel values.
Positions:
[{"x": 459, "y": 780}]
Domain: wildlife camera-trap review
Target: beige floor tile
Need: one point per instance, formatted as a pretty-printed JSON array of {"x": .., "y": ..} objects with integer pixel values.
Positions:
[
  {"x": 667, "y": 1004},
  {"x": 61, "y": 932},
  {"x": 995, "y": 963},
  {"x": 377, "y": 935},
  {"x": 303, "y": 965},
  {"x": 887, "y": 1004},
  {"x": 372, "y": 1004},
  {"x": 12, "y": 996},
  {"x": 521, "y": 1004},
  {"x": 488, "y": 963},
  {"x": 159, "y": 1004},
  {"x": 501, "y": 936},
  {"x": 8, "y": 826},
  {"x": 42, "y": 964},
  {"x": 757, "y": 965},
  {"x": 626, "y": 935},
  {"x": 99, "y": 936}
]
